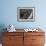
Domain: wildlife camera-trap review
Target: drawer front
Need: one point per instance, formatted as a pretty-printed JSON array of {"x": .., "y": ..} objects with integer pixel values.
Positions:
[
  {"x": 37, "y": 45},
  {"x": 27, "y": 41},
  {"x": 34, "y": 33},
  {"x": 13, "y": 33},
  {"x": 33, "y": 40},
  {"x": 37, "y": 39},
  {"x": 12, "y": 39},
  {"x": 12, "y": 44}
]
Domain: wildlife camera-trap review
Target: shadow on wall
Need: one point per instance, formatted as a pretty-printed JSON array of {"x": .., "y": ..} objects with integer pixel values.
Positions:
[{"x": 2, "y": 26}]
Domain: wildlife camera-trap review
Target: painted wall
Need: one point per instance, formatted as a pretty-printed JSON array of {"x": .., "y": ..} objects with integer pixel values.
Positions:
[{"x": 8, "y": 13}]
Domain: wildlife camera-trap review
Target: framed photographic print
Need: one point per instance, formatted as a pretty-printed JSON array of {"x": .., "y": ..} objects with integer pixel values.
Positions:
[{"x": 26, "y": 14}]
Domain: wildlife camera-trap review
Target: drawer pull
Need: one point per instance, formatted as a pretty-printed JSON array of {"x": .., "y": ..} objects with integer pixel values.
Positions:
[
  {"x": 33, "y": 39},
  {"x": 10, "y": 38}
]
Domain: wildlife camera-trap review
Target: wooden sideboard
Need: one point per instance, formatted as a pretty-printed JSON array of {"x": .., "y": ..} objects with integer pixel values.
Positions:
[{"x": 23, "y": 38}]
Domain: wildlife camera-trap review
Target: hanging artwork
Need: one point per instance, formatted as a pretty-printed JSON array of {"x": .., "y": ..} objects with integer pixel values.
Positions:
[{"x": 26, "y": 14}]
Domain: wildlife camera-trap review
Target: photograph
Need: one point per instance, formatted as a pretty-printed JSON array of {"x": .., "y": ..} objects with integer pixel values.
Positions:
[{"x": 25, "y": 14}]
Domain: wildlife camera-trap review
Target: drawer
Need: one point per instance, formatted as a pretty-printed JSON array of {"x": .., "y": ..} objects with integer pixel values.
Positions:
[
  {"x": 34, "y": 40},
  {"x": 34, "y": 33},
  {"x": 37, "y": 39},
  {"x": 37, "y": 44},
  {"x": 27, "y": 41},
  {"x": 13, "y": 33},
  {"x": 12, "y": 39},
  {"x": 12, "y": 44},
  {"x": 8, "y": 45},
  {"x": 27, "y": 37}
]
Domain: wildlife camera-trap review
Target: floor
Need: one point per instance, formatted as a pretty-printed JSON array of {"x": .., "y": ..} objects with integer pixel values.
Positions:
[{"x": 0, "y": 44}]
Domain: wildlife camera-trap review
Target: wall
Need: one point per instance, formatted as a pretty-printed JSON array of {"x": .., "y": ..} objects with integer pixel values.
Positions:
[{"x": 8, "y": 13}]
